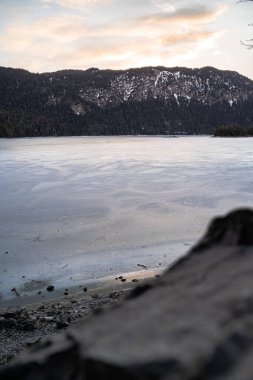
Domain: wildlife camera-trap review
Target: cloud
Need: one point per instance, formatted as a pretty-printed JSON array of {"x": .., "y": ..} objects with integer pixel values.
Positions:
[
  {"x": 72, "y": 4},
  {"x": 58, "y": 29},
  {"x": 188, "y": 37},
  {"x": 200, "y": 14},
  {"x": 169, "y": 49},
  {"x": 74, "y": 41},
  {"x": 163, "y": 5}
]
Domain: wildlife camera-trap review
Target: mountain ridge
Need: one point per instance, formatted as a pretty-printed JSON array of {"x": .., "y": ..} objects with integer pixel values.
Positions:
[{"x": 148, "y": 100}]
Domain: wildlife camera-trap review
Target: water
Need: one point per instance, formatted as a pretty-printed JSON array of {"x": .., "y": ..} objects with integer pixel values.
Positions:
[{"x": 78, "y": 208}]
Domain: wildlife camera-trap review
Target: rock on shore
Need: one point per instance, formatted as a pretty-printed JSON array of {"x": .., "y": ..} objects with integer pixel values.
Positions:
[
  {"x": 194, "y": 322},
  {"x": 21, "y": 327}
]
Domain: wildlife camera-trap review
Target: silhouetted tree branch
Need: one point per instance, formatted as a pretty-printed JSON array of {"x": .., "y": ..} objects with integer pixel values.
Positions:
[{"x": 249, "y": 43}]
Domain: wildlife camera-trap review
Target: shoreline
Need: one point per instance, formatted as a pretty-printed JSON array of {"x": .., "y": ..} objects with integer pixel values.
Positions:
[
  {"x": 122, "y": 281},
  {"x": 23, "y": 285},
  {"x": 25, "y": 320},
  {"x": 25, "y": 324}
]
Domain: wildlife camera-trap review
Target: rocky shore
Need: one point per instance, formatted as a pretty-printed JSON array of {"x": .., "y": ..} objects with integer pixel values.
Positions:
[
  {"x": 194, "y": 322},
  {"x": 21, "y": 327},
  {"x": 26, "y": 320}
]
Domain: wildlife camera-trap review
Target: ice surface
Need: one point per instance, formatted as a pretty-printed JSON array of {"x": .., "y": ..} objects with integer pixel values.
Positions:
[{"x": 78, "y": 208}]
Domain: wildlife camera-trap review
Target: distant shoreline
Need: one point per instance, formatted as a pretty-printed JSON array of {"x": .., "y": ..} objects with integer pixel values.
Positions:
[{"x": 105, "y": 136}]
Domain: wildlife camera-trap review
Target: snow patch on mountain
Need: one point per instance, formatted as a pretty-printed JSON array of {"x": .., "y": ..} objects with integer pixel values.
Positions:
[
  {"x": 78, "y": 109},
  {"x": 161, "y": 84},
  {"x": 176, "y": 97}
]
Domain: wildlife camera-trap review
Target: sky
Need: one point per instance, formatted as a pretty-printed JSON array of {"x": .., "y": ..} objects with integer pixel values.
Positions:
[{"x": 50, "y": 35}]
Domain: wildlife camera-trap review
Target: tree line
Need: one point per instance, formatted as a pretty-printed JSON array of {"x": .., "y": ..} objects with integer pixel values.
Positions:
[
  {"x": 28, "y": 109},
  {"x": 233, "y": 130}
]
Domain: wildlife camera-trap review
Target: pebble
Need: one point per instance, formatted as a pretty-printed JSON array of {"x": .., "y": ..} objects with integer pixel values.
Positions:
[
  {"x": 114, "y": 295},
  {"x": 30, "y": 343},
  {"x": 61, "y": 324},
  {"x": 7, "y": 323},
  {"x": 27, "y": 325},
  {"x": 48, "y": 319},
  {"x": 11, "y": 312}
]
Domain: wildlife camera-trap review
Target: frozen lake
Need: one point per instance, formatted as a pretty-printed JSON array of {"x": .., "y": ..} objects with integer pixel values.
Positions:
[{"x": 75, "y": 209}]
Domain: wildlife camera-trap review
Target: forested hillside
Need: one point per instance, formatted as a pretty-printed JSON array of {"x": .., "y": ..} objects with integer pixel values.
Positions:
[{"x": 153, "y": 100}]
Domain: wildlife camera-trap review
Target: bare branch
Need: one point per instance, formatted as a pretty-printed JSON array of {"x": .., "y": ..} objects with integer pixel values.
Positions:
[{"x": 248, "y": 45}]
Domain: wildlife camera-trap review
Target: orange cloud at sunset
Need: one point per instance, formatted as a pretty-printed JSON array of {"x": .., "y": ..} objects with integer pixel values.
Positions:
[
  {"x": 188, "y": 37},
  {"x": 70, "y": 38}
]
